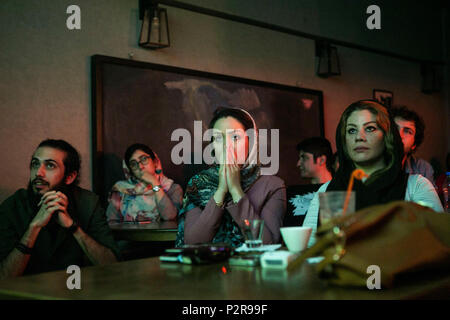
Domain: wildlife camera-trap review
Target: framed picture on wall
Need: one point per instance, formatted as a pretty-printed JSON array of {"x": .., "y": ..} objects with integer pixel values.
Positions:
[
  {"x": 140, "y": 102},
  {"x": 384, "y": 97}
]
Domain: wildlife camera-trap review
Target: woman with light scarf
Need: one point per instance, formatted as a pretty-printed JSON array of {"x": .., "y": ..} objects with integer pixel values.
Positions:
[
  {"x": 147, "y": 194},
  {"x": 219, "y": 199}
]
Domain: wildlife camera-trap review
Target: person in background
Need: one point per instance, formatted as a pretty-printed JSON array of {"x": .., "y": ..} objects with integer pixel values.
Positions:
[
  {"x": 53, "y": 223},
  {"x": 219, "y": 199},
  {"x": 367, "y": 139},
  {"x": 412, "y": 128},
  {"x": 147, "y": 194},
  {"x": 315, "y": 160},
  {"x": 315, "y": 163},
  {"x": 442, "y": 179}
]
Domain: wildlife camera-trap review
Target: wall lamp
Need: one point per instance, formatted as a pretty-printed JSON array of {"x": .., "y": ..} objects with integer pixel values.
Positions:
[
  {"x": 327, "y": 60},
  {"x": 155, "y": 26}
]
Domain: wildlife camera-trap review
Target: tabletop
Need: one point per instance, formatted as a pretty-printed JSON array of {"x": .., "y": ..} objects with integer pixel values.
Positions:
[
  {"x": 153, "y": 231},
  {"x": 151, "y": 279}
]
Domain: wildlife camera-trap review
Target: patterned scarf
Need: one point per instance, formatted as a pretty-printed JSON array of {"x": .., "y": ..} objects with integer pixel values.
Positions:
[
  {"x": 201, "y": 188},
  {"x": 136, "y": 200},
  {"x": 199, "y": 191}
]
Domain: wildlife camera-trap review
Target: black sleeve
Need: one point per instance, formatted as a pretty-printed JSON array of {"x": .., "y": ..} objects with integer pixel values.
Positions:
[
  {"x": 99, "y": 230},
  {"x": 8, "y": 234}
]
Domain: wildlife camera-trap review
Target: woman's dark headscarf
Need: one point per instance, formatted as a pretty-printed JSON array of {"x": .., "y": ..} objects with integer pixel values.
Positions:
[{"x": 382, "y": 186}]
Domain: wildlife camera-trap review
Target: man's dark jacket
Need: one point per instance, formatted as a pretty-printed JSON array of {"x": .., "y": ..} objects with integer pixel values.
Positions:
[{"x": 55, "y": 247}]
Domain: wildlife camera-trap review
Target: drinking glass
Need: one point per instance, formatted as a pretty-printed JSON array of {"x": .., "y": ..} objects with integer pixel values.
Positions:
[
  {"x": 253, "y": 231},
  {"x": 332, "y": 203}
]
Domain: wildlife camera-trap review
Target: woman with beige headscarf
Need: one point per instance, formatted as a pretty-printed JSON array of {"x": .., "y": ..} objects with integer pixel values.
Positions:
[{"x": 219, "y": 199}]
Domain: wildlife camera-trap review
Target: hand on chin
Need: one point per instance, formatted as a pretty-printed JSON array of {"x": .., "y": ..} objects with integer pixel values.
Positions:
[{"x": 149, "y": 178}]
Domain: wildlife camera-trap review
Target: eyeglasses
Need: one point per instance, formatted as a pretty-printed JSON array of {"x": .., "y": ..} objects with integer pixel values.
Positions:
[{"x": 135, "y": 164}]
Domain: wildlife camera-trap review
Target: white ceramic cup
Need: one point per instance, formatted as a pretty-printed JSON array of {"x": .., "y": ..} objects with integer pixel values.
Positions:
[{"x": 296, "y": 238}]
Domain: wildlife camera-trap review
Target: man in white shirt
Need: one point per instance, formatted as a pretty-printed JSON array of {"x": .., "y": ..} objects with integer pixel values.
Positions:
[{"x": 315, "y": 164}]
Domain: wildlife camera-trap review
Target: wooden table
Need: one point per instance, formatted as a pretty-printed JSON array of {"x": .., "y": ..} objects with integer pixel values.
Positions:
[
  {"x": 152, "y": 279},
  {"x": 154, "y": 231}
]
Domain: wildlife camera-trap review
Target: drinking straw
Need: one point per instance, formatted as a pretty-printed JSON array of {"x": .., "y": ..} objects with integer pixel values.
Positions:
[{"x": 358, "y": 174}]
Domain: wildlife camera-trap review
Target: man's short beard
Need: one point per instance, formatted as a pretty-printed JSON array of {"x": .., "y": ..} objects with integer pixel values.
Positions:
[{"x": 35, "y": 196}]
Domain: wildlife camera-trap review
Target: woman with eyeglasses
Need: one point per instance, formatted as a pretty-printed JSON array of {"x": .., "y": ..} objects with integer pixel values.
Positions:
[
  {"x": 218, "y": 200},
  {"x": 147, "y": 194},
  {"x": 367, "y": 138}
]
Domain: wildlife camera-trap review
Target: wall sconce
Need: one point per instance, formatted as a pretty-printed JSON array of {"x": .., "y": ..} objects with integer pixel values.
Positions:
[
  {"x": 327, "y": 60},
  {"x": 155, "y": 26},
  {"x": 431, "y": 81}
]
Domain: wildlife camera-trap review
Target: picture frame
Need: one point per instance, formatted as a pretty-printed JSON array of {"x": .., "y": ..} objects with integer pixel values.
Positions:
[
  {"x": 384, "y": 97},
  {"x": 141, "y": 102}
]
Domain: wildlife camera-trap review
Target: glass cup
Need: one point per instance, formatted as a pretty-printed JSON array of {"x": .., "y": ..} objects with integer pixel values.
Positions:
[
  {"x": 253, "y": 231},
  {"x": 332, "y": 203}
]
